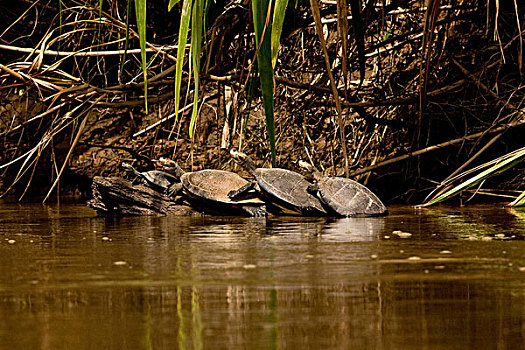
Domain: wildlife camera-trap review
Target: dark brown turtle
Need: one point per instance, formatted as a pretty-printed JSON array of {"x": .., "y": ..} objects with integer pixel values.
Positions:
[
  {"x": 160, "y": 181},
  {"x": 285, "y": 190},
  {"x": 171, "y": 167},
  {"x": 208, "y": 189},
  {"x": 343, "y": 196}
]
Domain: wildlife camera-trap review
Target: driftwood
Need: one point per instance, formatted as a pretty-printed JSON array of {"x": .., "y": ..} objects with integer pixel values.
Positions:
[{"x": 114, "y": 195}]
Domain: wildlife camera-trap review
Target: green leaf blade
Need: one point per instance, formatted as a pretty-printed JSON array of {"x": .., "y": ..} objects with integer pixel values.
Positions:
[
  {"x": 506, "y": 162},
  {"x": 520, "y": 201},
  {"x": 181, "y": 50},
  {"x": 264, "y": 60},
  {"x": 172, "y": 3},
  {"x": 277, "y": 27},
  {"x": 196, "y": 44},
  {"x": 140, "y": 13}
]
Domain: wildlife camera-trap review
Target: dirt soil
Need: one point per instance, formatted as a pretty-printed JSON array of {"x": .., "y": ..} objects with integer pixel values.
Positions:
[{"x": 470, "y": 89}]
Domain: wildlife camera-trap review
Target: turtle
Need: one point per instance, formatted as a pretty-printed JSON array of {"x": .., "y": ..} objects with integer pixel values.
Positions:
[
  {"x": 342, "y": 196},
  {"x": 171, "y": 167},
  {"x": 209, "y": 188},
  {"x": 285, "y": 190},
  {"x": 161, "y": 181}
]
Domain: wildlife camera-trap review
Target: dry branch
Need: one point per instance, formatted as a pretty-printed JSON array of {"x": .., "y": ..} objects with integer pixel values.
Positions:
[{"x": 435, "y": 148}]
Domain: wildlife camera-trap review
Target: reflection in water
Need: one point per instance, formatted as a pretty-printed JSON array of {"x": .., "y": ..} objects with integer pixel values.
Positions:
[
  {"x": 69, "y": 279},
  {"x": 356, "y": 229}
]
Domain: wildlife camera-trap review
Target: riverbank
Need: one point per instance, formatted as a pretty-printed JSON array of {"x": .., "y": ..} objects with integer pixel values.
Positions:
[{"x": 75, "y": 117}]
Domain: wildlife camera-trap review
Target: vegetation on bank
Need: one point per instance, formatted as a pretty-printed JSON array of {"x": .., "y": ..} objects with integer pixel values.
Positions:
[{"x": 404, "y": 93}]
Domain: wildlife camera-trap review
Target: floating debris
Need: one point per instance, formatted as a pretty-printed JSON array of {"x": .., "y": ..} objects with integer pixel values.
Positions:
[
  {"x": 502, "y": 236},
  {"x": 11, "y": 241},
  {"x": 373, "y": 256},
  {"x": 105, "y": 238},
  {"x": 249, "y": 266},
  {"x": 120, "y": 263},
  {"x": 402, "y": 234},
  {"x": 445, "y": 252},
  {"x": 414, "y": 258}
]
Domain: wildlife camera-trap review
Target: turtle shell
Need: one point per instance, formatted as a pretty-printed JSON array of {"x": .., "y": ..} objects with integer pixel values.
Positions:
[
  {"x": 160, "y": 179},
  {"x": 214, "y": 185},
  {"x": 349, "y": 198},
  {"x": 290, "y": 189}
]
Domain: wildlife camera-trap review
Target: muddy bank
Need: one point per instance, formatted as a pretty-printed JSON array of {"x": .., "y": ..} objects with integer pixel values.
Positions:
[{"x": 76, "y": 117}]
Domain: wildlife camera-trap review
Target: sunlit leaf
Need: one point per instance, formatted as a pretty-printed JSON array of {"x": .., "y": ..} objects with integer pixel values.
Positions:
[
  {"x": 140, "y": 14},
  {"x": 196, "y": 43},
  {"x": 172, "y": 3},
  {"x": 264, "y": 59},
  {"x": 503, "y": 164},
  {"x": 520, "y": 201},
  {"x": 99, "y": 15},
  {"x": 277, "y": 27},
  {"x": 181, "y": 49}
]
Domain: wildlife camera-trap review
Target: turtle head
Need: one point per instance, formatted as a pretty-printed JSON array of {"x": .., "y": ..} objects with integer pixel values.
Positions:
[
  {"x": 127, "y": 166},
  {"x": 243, "y": 160},
  {"x": 311, "y": 170},
  {"x": 171, "y": 167}
]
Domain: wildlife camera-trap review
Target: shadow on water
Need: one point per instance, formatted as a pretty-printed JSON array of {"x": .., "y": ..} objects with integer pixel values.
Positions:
[{"x": 438, "y": 278}]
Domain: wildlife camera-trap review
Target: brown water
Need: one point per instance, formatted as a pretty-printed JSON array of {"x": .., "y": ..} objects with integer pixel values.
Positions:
[{"x": 72, "y": 280}]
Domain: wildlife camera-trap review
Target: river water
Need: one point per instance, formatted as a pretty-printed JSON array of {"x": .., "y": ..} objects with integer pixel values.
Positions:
[{"x": 439, "y": 278}]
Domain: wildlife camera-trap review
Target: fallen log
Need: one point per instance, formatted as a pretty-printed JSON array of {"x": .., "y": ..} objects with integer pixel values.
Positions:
[{"x": 115, "y": 195}]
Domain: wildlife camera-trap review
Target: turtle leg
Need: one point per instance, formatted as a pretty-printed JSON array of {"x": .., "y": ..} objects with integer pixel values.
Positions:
[
  {"x": 313, "y": 188},
  {"x": 130, "y": 169},
  {"x": 174, "y": 189},
  {"x": 256, "y": 211},
  {"x": 233, "y": 194}
]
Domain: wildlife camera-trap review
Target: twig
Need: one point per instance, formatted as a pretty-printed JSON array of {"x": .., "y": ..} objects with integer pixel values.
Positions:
[
  {"x": 435, "y": 147},
  {"x": 84, "y": 53},
  {"x": 12, "y": 72},
  {"x": 41, "y": 115},
  {"x": 171, "y": 116},
  {"x": 139, "y": 102},
  {"x": 130, "y": 150},
  {"x": 319, "y": 28},
  {"x": 495, "y": 138},
  {"x": 75, "y": 141},
  {"x": 19, "y": 18}
]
